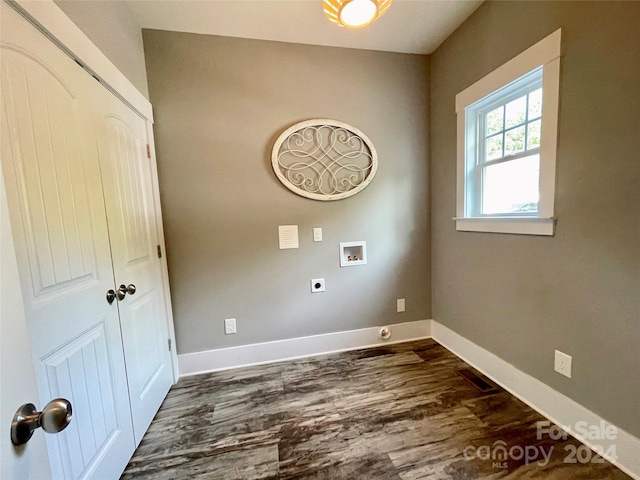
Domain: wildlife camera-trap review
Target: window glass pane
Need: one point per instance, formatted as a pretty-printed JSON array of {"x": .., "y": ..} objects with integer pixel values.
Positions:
[
  {"x": 493, "y": 147},
  {"x": 533, "y": 135},
  {"x": 494, "y": 120},
  {"x": 516, "y": 112},
  {"x": 514, "y": 141},
  {"x": 511, "y": 187},
  {"x": 535, "y": 103}
]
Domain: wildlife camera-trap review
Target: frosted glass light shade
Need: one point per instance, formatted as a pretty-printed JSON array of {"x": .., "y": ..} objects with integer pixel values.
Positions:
[{"x": 355, "y": 13}]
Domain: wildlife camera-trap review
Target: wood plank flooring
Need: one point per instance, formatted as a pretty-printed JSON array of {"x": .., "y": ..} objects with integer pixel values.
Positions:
[{"x": 398, "y": 412}]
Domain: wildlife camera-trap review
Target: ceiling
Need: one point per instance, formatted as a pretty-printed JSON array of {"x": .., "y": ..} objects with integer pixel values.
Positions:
[{"x": 409, "y": 26}]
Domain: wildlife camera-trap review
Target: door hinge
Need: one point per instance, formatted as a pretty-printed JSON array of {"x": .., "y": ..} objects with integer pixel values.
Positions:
[
  {"x": 148, "y": 151},
  {"x": 169, "y": 343},
  {"x": 159, "y": 251}
]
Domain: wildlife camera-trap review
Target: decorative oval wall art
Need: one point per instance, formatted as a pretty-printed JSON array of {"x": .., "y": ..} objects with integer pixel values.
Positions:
[{"x": 324, "y": 159}]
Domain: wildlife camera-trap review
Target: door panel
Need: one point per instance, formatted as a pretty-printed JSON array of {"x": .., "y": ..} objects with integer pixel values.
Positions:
[
  {"x": 127, "y": 165},
  {"x": 128, "y": 187},
  {"x": 46, "y": 137},
  {"x": 78, "y": 371},
  {"x": 54, "y": 192},
  {"x": 147, "y": 341}
]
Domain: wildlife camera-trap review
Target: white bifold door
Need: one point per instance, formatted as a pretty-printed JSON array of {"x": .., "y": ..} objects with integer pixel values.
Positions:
[
  {"x": 80, "y": 190},
  {"x": 128, "y": 193}
]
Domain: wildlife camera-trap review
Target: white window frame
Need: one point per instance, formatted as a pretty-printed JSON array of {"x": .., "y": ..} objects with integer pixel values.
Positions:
[
  {"x": 546, "y": 55},
  {"x": 475, "y": 161}
]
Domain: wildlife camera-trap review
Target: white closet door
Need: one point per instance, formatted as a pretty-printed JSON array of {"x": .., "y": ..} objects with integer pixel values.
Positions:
[
  {"x": 129, "y": 199},
  {"x": 58, "y": 219}
]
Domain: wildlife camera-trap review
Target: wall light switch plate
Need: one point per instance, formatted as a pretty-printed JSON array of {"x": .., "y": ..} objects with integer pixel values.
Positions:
[
  {"x": 400, "y": 305},
  {"x": 317, "y": 234},
  {"x": 230, "y": 326}
]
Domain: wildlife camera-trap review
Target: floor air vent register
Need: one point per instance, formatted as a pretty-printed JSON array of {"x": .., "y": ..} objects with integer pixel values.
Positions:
[{"x": 480, "y": 382}]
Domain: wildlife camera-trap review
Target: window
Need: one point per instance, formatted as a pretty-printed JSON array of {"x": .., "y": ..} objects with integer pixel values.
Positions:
[{"x": 507, "y": 135}]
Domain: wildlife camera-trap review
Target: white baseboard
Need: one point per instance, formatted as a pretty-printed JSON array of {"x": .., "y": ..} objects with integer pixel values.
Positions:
[
  {"x": 553, "y": 405},
  {"x": 289, "y": 349}
]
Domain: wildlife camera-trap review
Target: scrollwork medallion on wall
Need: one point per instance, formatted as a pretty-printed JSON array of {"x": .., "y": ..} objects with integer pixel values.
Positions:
[{"x": 324, "y": 159}]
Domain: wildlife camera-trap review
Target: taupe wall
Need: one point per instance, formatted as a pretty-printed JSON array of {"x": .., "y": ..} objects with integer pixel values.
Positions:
[
  {"x": 113, "y": 28},
  {"x": 220, "y": 104},
  {"x": 521, "y": 297}
]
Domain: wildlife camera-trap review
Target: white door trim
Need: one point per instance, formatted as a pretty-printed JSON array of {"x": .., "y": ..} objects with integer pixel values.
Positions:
[
  {"x": 53, "y": 22},
  {"x": 163, "y": 259}
]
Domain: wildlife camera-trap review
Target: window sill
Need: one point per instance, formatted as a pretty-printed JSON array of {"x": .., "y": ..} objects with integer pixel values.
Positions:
[{"x": 515, "y": 225}]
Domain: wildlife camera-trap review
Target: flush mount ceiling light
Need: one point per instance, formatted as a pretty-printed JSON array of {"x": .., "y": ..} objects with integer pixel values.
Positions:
[{"x": 355, "y": 13}]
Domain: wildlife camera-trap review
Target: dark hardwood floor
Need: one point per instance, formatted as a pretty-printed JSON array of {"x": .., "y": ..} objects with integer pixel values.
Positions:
[{"x": 397, "y": 412}]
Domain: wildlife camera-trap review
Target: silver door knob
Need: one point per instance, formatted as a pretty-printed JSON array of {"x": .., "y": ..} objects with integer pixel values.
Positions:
[
  {"x": 124, "y": 289},
  {"x": 54, "y": 417},
  {"x": 111, "y": 296},
  {"x": 121, "y": 292}
]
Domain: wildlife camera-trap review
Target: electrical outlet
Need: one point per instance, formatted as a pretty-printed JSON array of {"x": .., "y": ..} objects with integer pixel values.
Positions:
[
  {"x": 562, "y": 364},
  {"x": 230, "y": 326},
  {"x": 317, "y": 285},
  {"x": 400, "y": 305}
]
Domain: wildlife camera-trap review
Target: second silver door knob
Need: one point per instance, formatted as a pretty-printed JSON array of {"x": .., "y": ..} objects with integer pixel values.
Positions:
[{"x": 124, "y": 289}]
